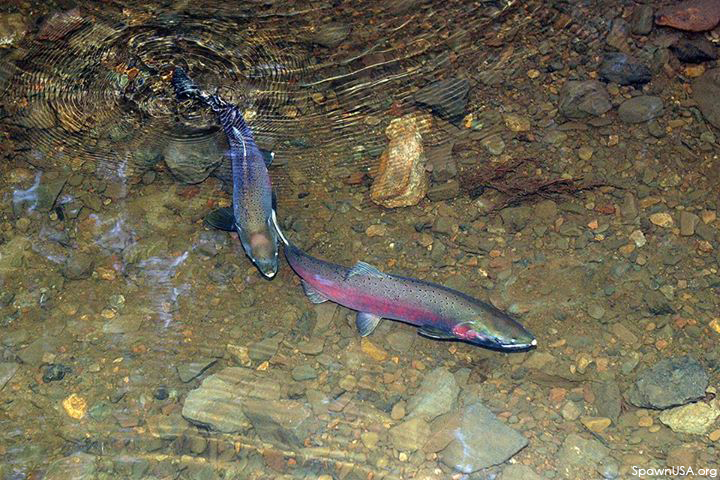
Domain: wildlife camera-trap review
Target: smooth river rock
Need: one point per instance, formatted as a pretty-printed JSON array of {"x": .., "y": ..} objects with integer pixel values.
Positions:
[
  {"x": 471, "y": 448},
  {"x": 218, "y": 402},
  {"x": 436, "y": 395}
]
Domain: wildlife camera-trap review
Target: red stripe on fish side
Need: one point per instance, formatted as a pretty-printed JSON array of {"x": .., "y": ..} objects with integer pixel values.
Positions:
[
  {"x": 365, "y": 302},
  {"x": 361, "y": 301}
]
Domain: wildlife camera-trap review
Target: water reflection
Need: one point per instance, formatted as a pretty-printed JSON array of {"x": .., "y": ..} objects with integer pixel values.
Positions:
[
  {"x": 157, "y": 275},
  {"x": 26, "y": 200}
]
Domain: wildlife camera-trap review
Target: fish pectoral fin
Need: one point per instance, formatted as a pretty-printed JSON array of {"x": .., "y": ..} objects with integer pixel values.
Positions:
[
  {"x": 434, "y": 332},
  {"x": 313, "y": 295},
  {"x": 268, "y": 157},
  {"x": 362, "y": 268},
  {"x": 221, "y": 219},
  {"x": 366, "y": 323}
]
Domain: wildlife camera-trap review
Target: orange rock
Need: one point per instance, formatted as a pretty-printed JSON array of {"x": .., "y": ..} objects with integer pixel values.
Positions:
[
  {"x": 601, "y": 364},
  {"x": 372, "y": 350},
  {"x": 596, "y": 424},
  {"x": 694, "y": 71},
  {"x": 645, "y": 421},
  {"x": 401, "y": 179},
  {"x": 75, "y": 406},
  {"x": 557, "y": 395},
  {"x": 691, "y": 15},
  {"x": 680, "y": 322},
  {"x": 607, "y": 209},
  {"x": 376, "y": 231},
  {"x": 704, "y": 246},
  {"x": 715, "y": 325},
  {"x": 354, "y": 178},
  {"x": 106, "y": 273}
]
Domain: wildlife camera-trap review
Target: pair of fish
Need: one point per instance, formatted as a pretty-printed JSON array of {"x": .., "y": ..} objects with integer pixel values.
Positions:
[
  {"x": 251, "y": 188},
  {"x": 439, "y": 312}
]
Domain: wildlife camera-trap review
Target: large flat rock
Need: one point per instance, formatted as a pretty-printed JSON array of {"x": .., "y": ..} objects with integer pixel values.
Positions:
[
  {"x": 219, "y": 402},
  {"x": 480, "y": 441}
]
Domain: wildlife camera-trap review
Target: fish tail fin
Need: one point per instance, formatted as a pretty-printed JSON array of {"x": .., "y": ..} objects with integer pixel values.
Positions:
[{"x": 273, "y": 216}]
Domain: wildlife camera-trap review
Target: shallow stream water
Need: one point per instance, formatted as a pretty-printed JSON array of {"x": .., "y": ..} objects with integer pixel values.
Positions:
[{"x": 567, "y": 184}]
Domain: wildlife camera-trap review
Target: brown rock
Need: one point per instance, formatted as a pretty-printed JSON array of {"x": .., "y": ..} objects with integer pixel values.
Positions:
[
  {"x": 692, "y": 15},
  {"x": 401, "y": 179},
  {"x": 376, "y": 231},
  {"x": 705, "y": 93},
  {"x": 661, "y": 219},
  {"x": 682, "y": 456},
  {"x": 624, "y": 334},
  {"x": 688, "y": 222}
]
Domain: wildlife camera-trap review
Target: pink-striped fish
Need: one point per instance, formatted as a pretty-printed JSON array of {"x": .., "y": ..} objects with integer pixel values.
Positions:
[{"x": 439, "y": 312}]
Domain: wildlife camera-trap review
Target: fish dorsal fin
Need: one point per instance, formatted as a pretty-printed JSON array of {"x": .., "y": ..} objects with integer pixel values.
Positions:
[
  {"x": 222, "y": 219},
  {"x": 362, "y": 268},
  {"x": 268, "y": 157},
  {"x": 366, "y": 323},
  {"x": 434, "y": 332},
  {"x": 313, "y": 295}
]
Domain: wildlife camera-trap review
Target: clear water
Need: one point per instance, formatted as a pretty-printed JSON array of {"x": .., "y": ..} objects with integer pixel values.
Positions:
[{"x": 117, "y": 302}]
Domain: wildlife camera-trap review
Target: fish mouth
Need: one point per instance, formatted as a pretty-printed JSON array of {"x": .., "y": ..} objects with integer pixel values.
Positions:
[
  {"x": 504, "y": 343},
  {"x": 500, "y": 346},
  {"x": 268, "y": 271},
  {"x": 267, "y": 267},
  {"x": 517, "y": 346}
]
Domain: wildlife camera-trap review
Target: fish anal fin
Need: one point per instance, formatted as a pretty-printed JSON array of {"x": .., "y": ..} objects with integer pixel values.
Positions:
[
  {"x": 366, "y": 323},
  {"x": 434, "y": 332},
  {"x": 313, "y": 295},
  {"x": 221, "y": 219},
  {"x": 362, "y": 268}
]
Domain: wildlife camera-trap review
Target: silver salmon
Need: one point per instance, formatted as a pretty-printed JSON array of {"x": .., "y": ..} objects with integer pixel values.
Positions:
[
  {"x": 439, "y": 312},
  {"x": 251, "y": 190}
]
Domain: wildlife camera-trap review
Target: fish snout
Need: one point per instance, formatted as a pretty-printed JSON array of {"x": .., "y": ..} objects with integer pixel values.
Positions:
[
  {"x": 521, "y": 340},
  {"x": 268, "y": 267},
  {"x": 264, "y": 253},
  {"x": 520, "y": 344},
  {"x": 515, "y": 339}
]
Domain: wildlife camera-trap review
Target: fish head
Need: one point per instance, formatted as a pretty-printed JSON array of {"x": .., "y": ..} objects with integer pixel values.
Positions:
[
  {"x": 262, "y": 249},
  {"x": 500, "y": 332}
]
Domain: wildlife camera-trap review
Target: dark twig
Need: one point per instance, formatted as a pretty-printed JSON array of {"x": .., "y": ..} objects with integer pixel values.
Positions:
[{"x": 519, "y": 183}]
